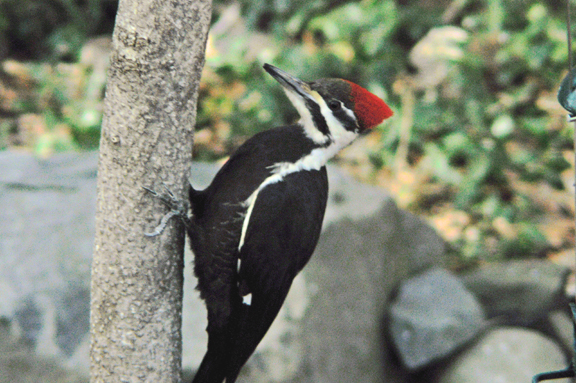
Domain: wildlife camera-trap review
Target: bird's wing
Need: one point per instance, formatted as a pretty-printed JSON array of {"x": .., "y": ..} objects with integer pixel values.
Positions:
[{"x": 282, "y": 233}]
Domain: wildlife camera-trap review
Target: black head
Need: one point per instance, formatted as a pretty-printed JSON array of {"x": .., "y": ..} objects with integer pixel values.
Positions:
[{"x": 331, "y": 107}]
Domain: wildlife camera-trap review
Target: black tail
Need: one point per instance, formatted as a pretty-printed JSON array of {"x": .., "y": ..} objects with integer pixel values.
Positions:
[
  {"x": 254, "y": 322},
  {"x": 213, "y": 366},
  {"x": 229, "y": 350}
]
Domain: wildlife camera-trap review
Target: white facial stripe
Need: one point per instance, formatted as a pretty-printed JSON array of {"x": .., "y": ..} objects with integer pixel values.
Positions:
[
  {"x": 350, "y": 113},
  {"x": 306, "y": 118},
  {"x": 337, "y": 131}
]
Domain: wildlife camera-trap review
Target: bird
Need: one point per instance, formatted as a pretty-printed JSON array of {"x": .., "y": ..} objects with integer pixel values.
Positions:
[{"x": 254, "y": 228}]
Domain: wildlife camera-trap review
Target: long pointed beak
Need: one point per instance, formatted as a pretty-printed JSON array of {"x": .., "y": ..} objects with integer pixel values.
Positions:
[{"x": 289, "y": 82}]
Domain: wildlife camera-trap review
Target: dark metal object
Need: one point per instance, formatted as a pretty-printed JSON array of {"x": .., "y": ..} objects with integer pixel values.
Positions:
[
  {"x": 566, "y": 93},
  {"x": 567, "y": 373},
  {"x": 570, "y": 371}
]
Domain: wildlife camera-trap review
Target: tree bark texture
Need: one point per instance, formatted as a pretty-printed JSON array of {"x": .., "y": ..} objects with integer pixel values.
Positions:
[{"x": 147, "y": 136}]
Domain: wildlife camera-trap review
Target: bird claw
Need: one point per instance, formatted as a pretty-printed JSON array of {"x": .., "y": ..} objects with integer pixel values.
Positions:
[
  {"x": 177, "y": 208},
  {"x": 169, "y": 199},
  {"x": 163, "y": 222}
]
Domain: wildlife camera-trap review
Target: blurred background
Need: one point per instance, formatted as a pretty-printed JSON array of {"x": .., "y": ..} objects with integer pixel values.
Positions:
[{"x": 478, "y": 145}]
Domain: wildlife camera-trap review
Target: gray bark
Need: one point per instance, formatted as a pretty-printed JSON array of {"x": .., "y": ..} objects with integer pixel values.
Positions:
[{"x": 147, "y": 135}]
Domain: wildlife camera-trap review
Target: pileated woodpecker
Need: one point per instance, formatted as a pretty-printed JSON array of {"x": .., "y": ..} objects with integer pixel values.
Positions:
[{"x": 256, "y": 226}]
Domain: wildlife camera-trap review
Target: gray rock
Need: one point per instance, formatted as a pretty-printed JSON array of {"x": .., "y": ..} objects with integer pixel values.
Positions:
[
  {"x": 521, "y": 292},
  {"x": 19, "y": 365},
  {"x": 511, "y": 355},
  {"x": 432, "y": 316},
  {"x": 46, "y": 240},
  {"x": 562, "y": 328}
]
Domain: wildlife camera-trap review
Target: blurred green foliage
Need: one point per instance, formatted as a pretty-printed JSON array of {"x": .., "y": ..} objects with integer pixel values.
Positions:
[
  {"x": 53, "y": 70},
  {"x": 472, "y": 83},
  {"x": 52, "y": 30}
]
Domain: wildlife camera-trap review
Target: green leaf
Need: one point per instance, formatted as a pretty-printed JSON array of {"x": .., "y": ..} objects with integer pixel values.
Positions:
[{"x": 502, "y": 126}]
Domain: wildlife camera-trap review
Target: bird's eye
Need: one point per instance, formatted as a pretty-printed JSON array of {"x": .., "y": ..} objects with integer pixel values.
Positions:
[{"x": 334, "y": 105}]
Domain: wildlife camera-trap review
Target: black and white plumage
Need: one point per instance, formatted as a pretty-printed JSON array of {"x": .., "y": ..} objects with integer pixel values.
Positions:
[
  {"x": 257, "y": 224},
  {"x": 255, "y": 265}
]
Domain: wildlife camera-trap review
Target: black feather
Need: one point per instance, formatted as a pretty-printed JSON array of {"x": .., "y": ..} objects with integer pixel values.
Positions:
[{"x": 282, "y": 233}]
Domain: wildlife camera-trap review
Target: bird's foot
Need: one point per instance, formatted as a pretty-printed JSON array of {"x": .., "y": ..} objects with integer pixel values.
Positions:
[{"x": 178, "y": 208}]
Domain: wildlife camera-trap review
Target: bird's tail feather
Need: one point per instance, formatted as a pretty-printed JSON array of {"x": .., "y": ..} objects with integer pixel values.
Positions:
[
  {"x": 254, "y": 322},
  {"x": 213, "y": 366}
]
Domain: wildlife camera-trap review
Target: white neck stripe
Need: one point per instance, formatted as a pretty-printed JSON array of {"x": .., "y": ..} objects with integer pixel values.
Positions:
[{"x": 313, "y": 161}]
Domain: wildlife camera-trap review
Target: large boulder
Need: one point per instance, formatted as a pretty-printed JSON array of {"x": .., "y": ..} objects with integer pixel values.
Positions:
[
  {"x": 520, "y": 292},
  {"x": 508, "y": 354},
  {"x": 433, "y": 316}
]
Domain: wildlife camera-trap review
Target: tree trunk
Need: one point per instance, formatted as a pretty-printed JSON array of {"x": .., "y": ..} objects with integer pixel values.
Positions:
[{"x": 147, "y": 136}]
